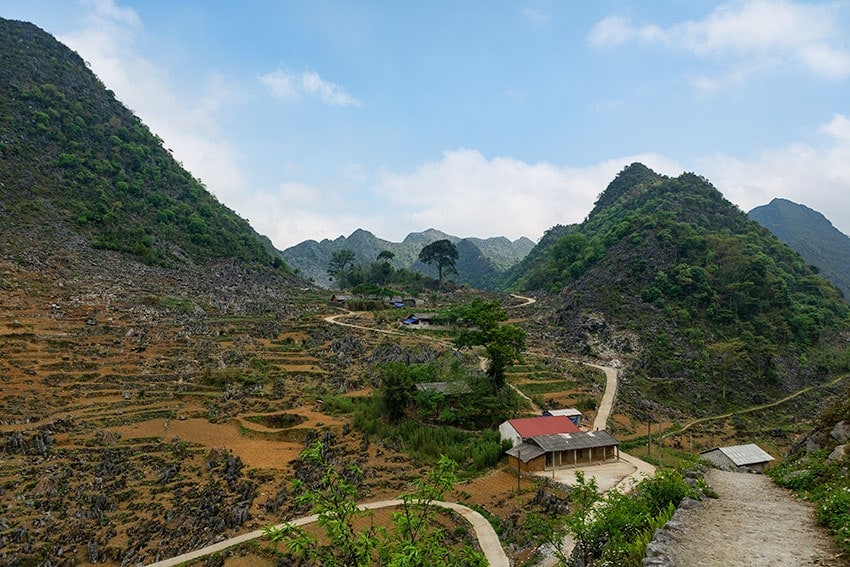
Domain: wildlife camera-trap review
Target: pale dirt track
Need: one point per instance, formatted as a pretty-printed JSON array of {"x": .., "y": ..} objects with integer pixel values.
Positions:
[
  {"x": 487, "y": 538},
  {"x": 754, "y": 523}
]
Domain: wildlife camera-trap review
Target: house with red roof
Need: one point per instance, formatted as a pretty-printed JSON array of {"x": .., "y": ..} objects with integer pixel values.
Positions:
[{"x": 518, "y": 430}]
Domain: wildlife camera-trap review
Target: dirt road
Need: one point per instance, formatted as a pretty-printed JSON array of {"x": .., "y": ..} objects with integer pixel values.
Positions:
[{"x": 754, "y": 523}]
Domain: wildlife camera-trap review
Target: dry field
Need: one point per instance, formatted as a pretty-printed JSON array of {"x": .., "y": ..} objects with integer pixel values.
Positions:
[{"x": 135, "y": 430}]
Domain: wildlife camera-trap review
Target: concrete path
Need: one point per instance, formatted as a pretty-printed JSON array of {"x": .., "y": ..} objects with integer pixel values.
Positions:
[
  {"x": 484, "y": 532},
  {"x": 603, "y": 412}
]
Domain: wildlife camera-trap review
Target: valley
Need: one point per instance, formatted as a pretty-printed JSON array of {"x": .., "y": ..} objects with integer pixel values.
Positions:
[{"x": 170, "y": 381}]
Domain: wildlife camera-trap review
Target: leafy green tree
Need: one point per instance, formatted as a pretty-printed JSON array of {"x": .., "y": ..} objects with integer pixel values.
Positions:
[
  {"x": 385, "y": 255},
  {"x": 444, "y": 254},
  {"x": 504, "y": 343},
  {"x": 340, "y": 262},
  {"x": 334, "y": 501},
  {"x": 396, "y": 386},
  {"x": 416, "y": 540},
  {"x": 584, "y": 496}
]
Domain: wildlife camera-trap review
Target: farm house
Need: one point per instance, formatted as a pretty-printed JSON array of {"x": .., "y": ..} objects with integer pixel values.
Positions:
[
  {"x": 547, "y": 452},
  {"x": 519, "y": 429}
]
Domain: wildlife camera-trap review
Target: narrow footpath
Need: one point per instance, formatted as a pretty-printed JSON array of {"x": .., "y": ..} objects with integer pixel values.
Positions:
[{"x": 754, "y": 523}]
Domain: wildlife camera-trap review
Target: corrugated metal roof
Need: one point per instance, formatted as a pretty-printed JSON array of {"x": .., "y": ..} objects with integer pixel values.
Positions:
[
  {"x": 743, "y": 455},
  {"x": 565, "y": 411},
  {"x": 445, "y": 387},
  {"x": 525, "y": 452},
  {"x": 572, "y": 441},
  {"x": 549, "y": 425}
]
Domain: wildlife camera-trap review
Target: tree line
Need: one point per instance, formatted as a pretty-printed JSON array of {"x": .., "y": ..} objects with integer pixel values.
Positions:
[{"x": 348, "y": 274}]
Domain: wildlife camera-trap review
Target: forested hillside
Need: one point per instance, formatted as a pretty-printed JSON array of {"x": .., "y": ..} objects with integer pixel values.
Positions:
[
  {"x": 810, "y": 234},
  {"x": 71, "y": 154},
  {"x": 481, "y": 263},
  {"x": 709, "y": 309}
]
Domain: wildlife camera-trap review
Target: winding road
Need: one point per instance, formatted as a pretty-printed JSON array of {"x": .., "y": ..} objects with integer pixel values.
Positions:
[{"x": 487, "y": 538}]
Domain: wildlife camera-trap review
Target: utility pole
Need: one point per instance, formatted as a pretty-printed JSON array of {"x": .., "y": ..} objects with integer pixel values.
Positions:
[{"x": 518, "y": 465}]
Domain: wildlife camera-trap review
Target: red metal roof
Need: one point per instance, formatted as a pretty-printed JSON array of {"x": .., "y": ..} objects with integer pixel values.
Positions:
[{"x": 548, "y": 425}]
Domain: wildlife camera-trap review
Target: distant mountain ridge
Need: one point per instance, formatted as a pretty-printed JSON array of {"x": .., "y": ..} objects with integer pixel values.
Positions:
[
  {"x": 481, "y": 263},
  {"x": 812, "y": 236}
]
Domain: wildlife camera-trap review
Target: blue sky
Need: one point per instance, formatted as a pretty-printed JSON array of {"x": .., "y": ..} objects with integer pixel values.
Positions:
[{"x": 478, "y": 118}]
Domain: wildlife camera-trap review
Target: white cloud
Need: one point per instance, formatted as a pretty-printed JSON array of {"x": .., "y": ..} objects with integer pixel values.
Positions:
[
  {"x": 753, "y": 34},
  {"x": 614, "y": 30},
  {"x": 290, "y": 86},
  {"x": 536, "y": 17},
  {"x": 818, "y": 177},
  {"x": 466, "y": 194}
]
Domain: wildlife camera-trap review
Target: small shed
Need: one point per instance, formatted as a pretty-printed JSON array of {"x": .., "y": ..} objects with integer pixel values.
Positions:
[
  {"x": 419, "y": 319},
  {"x": 742, "y": 458},
  {"x": 447, "y": 388},
  {"x": 572, "y": 413},
  {"x": 519, "y": 429},
  {"x": 337, "y": 299},
  {"x": 549, "y": 452}
]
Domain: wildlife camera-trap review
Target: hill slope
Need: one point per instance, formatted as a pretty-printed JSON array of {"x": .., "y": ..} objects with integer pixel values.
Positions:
[
  {"x": 811, "y": 235},
  {"x": 481, "y": 262},
  {"x": 73, "y": 155},
  {"x": 708, "y": 308}
]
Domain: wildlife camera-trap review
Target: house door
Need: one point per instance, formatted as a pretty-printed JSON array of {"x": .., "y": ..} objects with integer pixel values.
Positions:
[{"x": 548, "y": 460}]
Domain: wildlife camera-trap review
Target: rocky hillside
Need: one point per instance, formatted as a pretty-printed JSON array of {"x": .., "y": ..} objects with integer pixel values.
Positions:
[
  {"x": 71, "y": 155},
  {"x": 811, "y": 235},
  {"x": 815, "y": 467},
  {"x": 708, "y": 309},
  {"x": 481, "y": 262}
]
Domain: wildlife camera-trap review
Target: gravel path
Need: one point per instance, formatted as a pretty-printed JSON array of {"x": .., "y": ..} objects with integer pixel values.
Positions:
[{"x": 754, "y": 523}]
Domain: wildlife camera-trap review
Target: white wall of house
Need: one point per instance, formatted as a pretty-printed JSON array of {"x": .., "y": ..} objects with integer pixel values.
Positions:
[{"x": 507, "y": 431}]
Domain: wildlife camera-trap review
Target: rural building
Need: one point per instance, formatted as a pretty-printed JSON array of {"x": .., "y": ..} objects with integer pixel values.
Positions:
[
  {"x": 738, "y": 458},
  {"x": 572, "y": 413},
  {"x": 420, "y": 319},
  {"x": 549, "y": 452},
  {"x": 519, "y": 429},
  {"x": 339, "y": 299},
  {"x": 447, "y": 388},
  {"x": 399, "y": 302}
]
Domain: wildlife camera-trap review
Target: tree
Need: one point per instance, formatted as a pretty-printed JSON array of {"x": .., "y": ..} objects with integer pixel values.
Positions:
[
  {"x": 504, "y": 343},
  {"x": 334, "y": 501},
  {"x": 386, "y": 256},
  {"x": 584, "y": 495},
  {"x": 416, "y": 539},
  {"x": 444, "y": 254},
  {"x": 397, "y": 386},
  {"x": 340, "y": 261}
]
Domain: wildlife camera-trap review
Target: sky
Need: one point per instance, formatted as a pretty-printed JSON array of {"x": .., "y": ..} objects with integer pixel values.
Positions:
[{"x": 479, "y": 118}]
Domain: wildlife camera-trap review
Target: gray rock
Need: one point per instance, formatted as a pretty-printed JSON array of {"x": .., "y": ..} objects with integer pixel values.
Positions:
[
  {"x": 838, "y": 453},
  {"x": 841, "y": 432}
]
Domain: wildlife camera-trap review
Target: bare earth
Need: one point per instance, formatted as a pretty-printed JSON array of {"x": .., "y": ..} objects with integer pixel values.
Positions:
[{"x": 754, "y": 523}]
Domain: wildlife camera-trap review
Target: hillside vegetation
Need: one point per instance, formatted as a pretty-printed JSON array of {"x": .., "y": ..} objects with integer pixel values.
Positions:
[
  {"x": 72, "y": 154},
  {"x": 711, "y": 310},
  {"x": 481, "y": 262},
  {"x": 810, "y": 234}
]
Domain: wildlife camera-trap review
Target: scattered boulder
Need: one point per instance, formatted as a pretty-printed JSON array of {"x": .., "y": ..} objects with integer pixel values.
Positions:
[
  {"x": 838, "y": 453},
  {"x": 841, "y": 431}
]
